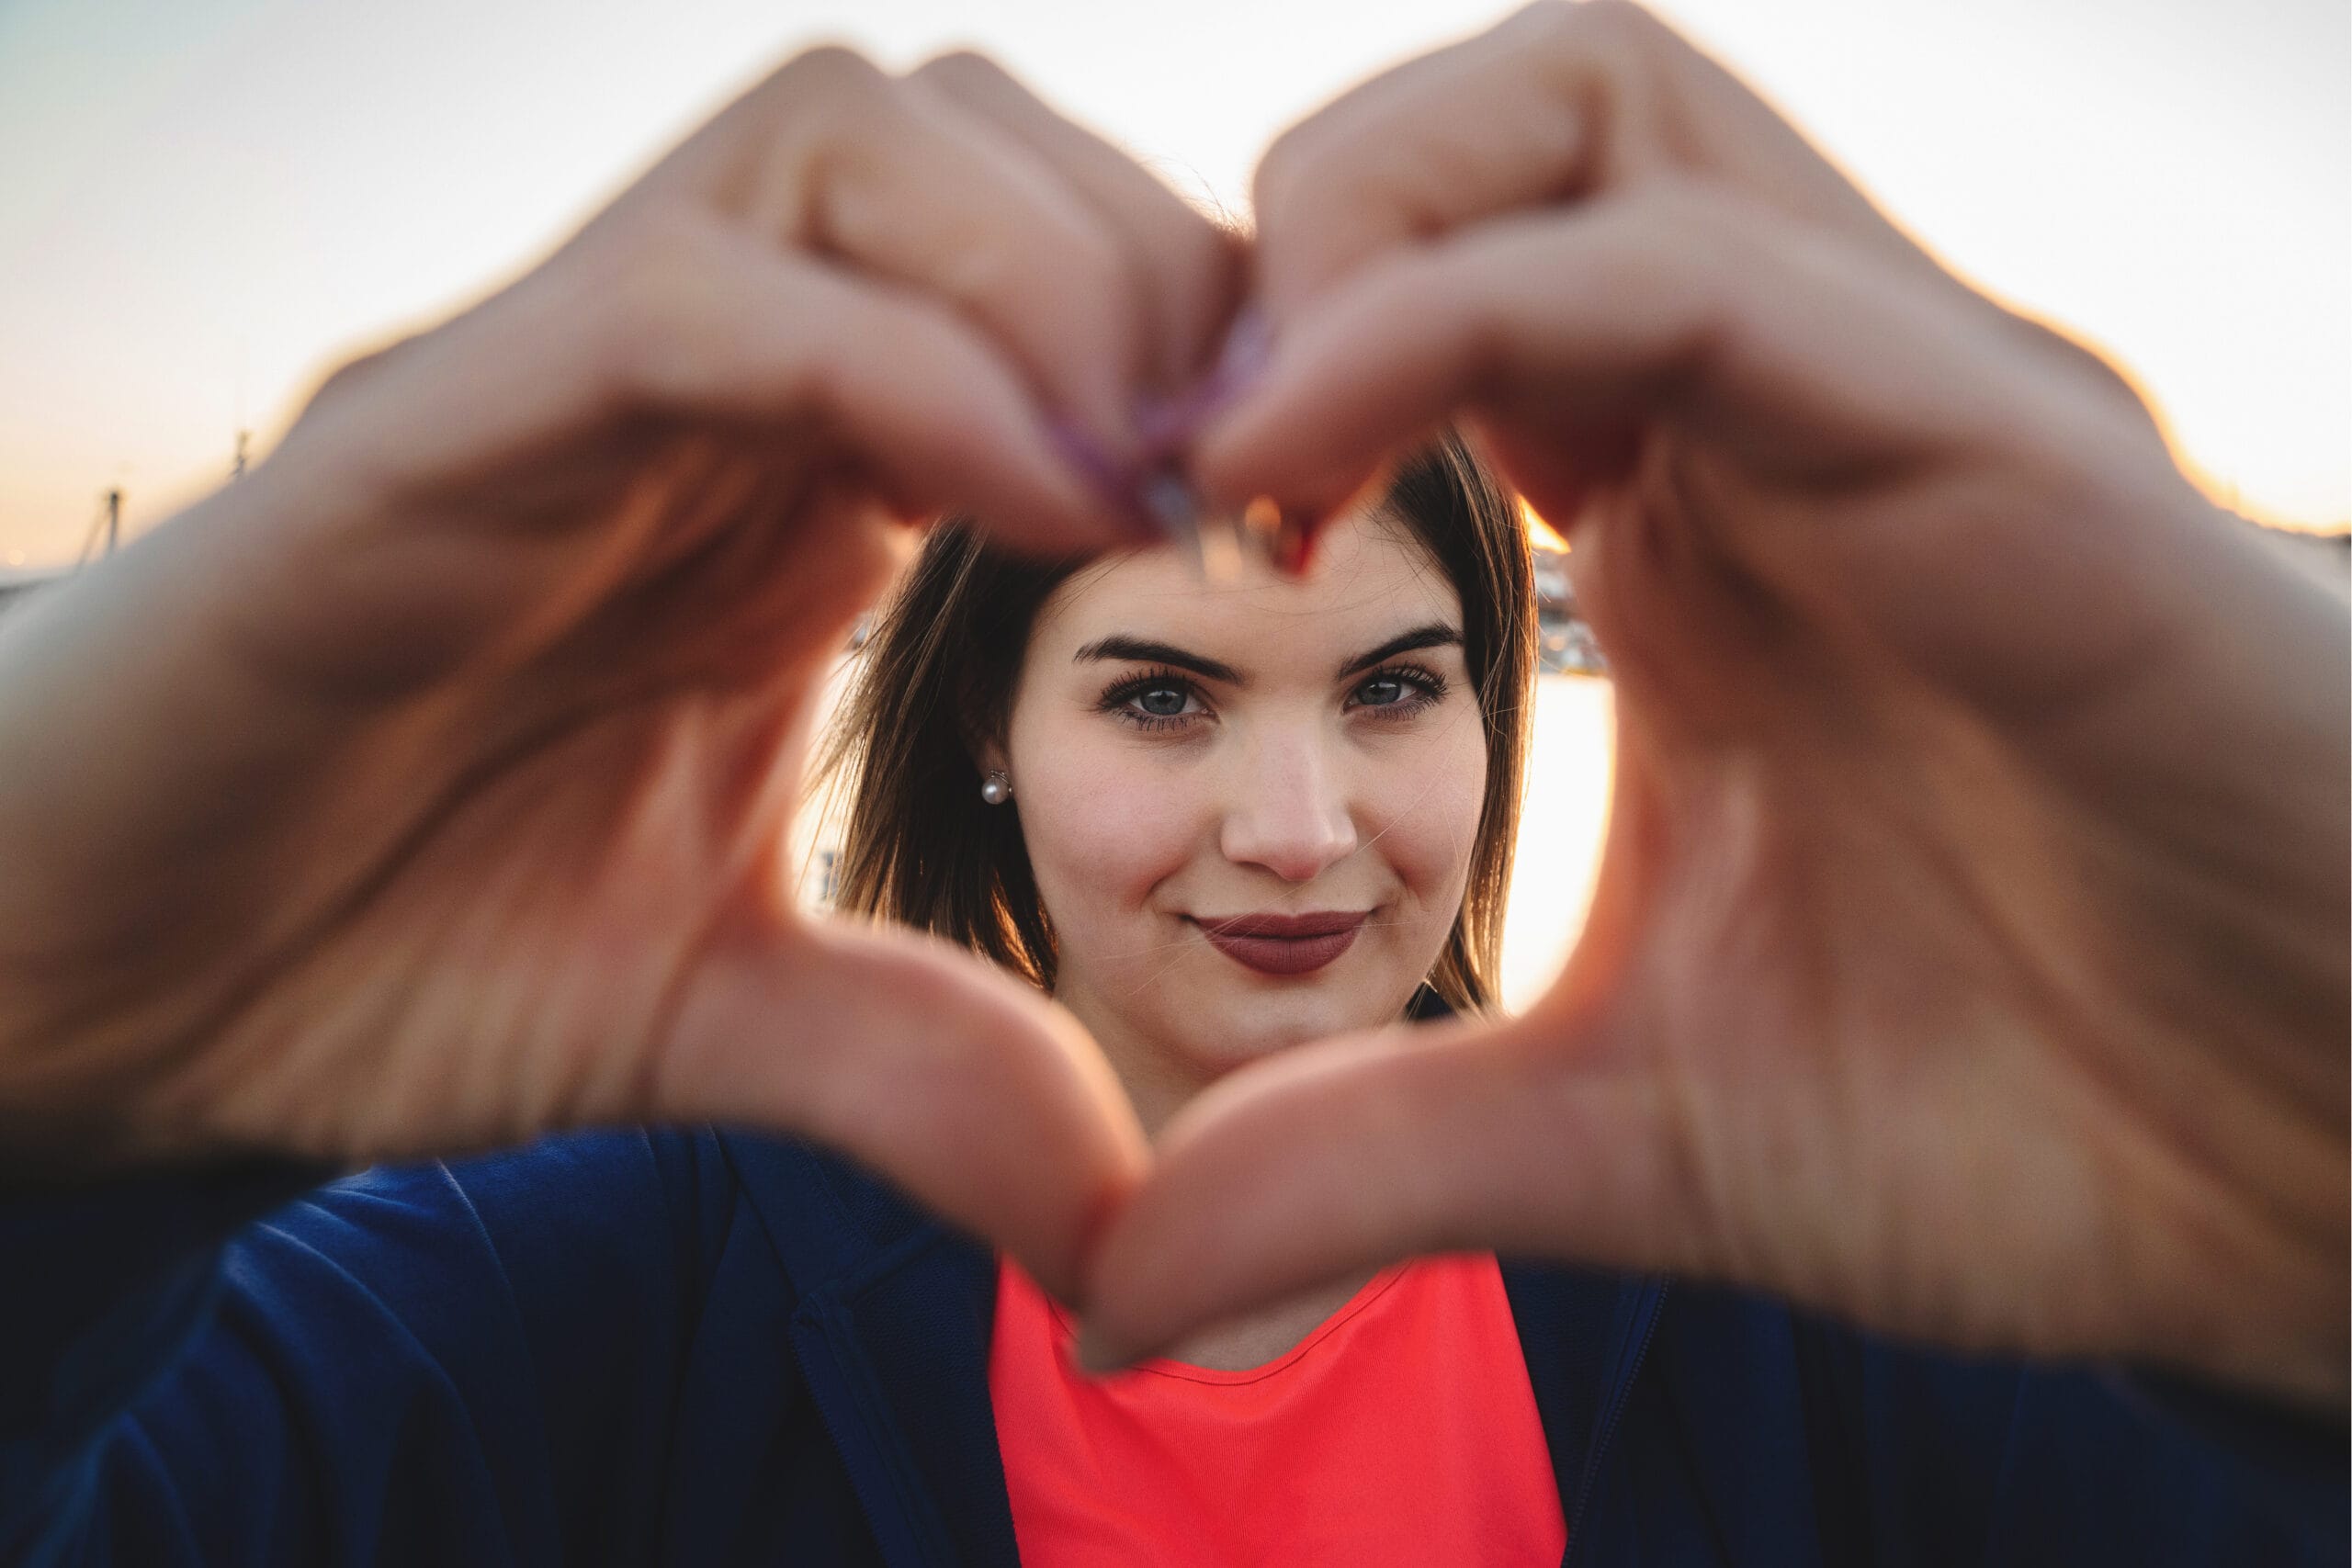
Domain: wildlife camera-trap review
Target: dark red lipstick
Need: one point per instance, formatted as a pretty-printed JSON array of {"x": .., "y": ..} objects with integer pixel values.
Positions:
[{"x": 1285, "y": 944}]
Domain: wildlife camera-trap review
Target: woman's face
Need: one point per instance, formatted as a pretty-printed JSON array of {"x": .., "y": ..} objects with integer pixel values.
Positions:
[{"x": 1249, "y": 805}]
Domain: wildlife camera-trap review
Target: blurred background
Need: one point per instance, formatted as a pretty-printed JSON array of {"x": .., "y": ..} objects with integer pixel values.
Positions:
[{"x": 207, "y": 204}]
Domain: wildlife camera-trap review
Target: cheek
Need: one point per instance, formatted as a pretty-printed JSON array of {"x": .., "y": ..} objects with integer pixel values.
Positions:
[
  {"x": 1104, "y": 825},
  {"x": 1424, "y": 814}
]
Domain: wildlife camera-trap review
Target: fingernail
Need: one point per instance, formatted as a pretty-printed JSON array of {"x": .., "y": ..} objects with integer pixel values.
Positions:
[
  {"x": 1216, "y": 540},
  {"x": 1249, "y": 345},
  {"x": 1294, "y": 548},
  {"x": 1224, "y": 547},
  {"x": 1085, "y": 453},
  {"x": 1170, "y": 503},
  {"x": 1166, "y": 424},
  {"x": 1115, "y": 484},
  {"x": 1279, "y": 535}
]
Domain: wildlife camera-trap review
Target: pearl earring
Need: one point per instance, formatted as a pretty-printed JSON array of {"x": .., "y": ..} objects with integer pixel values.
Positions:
[{"x": 996, "y": 789}]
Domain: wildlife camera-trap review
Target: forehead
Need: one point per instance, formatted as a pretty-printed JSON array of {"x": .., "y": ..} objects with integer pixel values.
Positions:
[{"x": 1369, "y": 579}]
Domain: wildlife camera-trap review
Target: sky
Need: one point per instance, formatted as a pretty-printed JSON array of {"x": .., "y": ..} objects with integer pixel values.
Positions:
[{"x": 204, "y": 204}]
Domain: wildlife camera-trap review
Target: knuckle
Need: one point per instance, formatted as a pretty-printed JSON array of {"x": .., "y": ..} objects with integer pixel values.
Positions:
[
  {"x": 646, "y": 295},
  {"x": 1670, "y": 208},
  {"x": 1288, "y": 167},
  {"x": 1546, "y": 18},
  {"x": 1574, "y": 60},
  {"x": 1672, "y": 236},
  {"x": 1620, "y": 35},
  {"x": 829, "y": 68},
  {"x": 915, "y": 329},
  {"x": 1410, "y": 283},
  {"x": 1687, "y": 242},
  {"x": 1550, "y": 25},
  {"x": 1624, "y": 21},
  {"x": 830, "y": 77},
  {"x": 961, "y": 71},
  {"x": 354, "y": 373},
  {"x": 1206, "y": 256},
  {"x": 1094, "y": 258}
]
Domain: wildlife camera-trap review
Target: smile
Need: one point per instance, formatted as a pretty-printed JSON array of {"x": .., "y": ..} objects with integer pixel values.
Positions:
[{"x": 1283, "y": 944}]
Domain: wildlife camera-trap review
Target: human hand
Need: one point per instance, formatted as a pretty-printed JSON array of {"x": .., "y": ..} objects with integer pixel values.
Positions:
[
  {"x": 426, "y": 789},
  {"x": 1969, "y": 952}
]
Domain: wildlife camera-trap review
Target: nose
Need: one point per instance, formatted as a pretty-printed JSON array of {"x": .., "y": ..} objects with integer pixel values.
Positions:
[{"x": 1288, "y": 810}]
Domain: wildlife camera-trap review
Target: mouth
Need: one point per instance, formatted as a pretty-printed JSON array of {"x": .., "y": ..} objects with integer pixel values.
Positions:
[{"x": 1283, "y": 944}]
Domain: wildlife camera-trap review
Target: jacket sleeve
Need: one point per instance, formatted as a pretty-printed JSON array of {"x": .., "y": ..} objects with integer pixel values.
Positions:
[
  {"x": 1758, "y": 1425},
  {"x": 471, "y": 1363},
  {"x": 1948, "y": 1460}
]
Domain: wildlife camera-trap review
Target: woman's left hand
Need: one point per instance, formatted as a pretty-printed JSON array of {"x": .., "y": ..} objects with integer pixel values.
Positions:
[
  {"x": 431, "y": 787},
  {"x": 1969, "y": 956}
]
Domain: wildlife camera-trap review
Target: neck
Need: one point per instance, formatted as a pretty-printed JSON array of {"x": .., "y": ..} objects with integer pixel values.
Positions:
[{"x": 1158, "y": 1081}]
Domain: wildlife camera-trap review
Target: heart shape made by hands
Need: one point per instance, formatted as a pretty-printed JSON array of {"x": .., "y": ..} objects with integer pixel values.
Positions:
[{"x": 1969, "y": 954}]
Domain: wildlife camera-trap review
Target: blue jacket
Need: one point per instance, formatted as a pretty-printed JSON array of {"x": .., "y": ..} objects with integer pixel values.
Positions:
[{"x": 712, "y": 1348}]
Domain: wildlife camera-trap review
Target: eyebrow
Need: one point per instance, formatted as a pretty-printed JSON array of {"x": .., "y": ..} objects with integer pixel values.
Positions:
[
  {"x": 1143, "y": 652},
  {"x": 1435, "y": 634}
]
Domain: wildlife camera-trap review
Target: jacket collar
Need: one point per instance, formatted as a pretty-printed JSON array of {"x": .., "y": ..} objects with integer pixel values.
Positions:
[
  {"x": 1585, "y": 1337},
  {"x": 892, "y": 1324},
  {"x": 891, "y": 1330}
]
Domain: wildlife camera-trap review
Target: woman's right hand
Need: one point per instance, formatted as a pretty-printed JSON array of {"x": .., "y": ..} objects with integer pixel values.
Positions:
[
  {"x": 427, "y": 789},
  {"x": 1968, "y": 953}
]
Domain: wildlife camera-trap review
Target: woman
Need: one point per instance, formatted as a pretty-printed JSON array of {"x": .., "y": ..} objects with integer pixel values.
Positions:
[
  {"x": 1216, "y": 821},
  {"x": 1136, "y": 797},
  {"x": 421, "y": 794}
]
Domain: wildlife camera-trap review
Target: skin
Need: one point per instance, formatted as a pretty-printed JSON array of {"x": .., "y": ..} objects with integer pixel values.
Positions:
[
  {"x": 1294, "y": 788},
  {"x": 431, "y": 787},
  {"x": 1974, "y": 946},
  {"x": 1287, "y": 788},
  {"x": 1291, "y": 788}
]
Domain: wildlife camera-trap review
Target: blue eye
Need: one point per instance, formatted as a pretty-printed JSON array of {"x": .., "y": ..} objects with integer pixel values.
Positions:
[
  {"x": 1161, "y": 701},
  {"x": 1398, "y": 692},
  {"x": 1155, "y": 700}
]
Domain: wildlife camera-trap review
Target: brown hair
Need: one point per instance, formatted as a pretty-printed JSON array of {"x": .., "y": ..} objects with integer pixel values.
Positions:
[{"x": 946, "y": 653}]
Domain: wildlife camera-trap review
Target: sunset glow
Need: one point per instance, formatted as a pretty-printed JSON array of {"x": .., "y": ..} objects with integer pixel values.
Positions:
[{"x": 212, "y": 201}]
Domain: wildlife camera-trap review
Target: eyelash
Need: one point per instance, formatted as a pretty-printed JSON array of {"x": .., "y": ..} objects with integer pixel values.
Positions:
[{"x": 1426, "y": 687}]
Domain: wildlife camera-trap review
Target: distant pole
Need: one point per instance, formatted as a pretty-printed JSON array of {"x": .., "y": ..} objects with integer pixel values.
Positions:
[
  {"x": 243, "y": 436},
  {"x": 114, "y": 517}
]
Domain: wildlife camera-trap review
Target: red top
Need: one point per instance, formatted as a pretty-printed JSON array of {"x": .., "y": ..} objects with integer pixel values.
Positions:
[{"x": 1401, "y": 1431}]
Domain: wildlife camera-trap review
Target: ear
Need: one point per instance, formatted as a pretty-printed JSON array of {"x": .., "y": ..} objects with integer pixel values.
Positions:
[{"x": 983, "y": 721}]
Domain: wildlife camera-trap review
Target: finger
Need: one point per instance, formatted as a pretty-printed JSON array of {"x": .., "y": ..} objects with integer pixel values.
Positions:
[
  {"x": 958, "y": 1083},
  {"x": 1558, "y": 470},
  {"x": 1191, "y": 267},
  {"x": 938, "y": 414},
  {"x": 1789, "y": 357},
  {"x": 1678, "y": 304},
  {"x": 687, "y": 317},
  {"x": 830, "y": 155},
  {"x": 1354, "y": 1153},
  {"x": 1559, "y": 102}
]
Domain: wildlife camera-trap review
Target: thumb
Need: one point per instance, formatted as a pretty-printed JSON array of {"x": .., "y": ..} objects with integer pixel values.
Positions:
[
  {"x": 959, "y": 1084},
  {"x": 1352, "y": 1153}
]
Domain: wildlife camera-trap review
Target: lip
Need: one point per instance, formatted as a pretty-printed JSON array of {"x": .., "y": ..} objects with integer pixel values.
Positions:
[{"x": 1285, "y": 944}]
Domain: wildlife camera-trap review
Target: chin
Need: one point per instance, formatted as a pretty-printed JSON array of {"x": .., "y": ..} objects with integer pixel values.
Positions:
[{"x": 1245, "y": 1029}]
